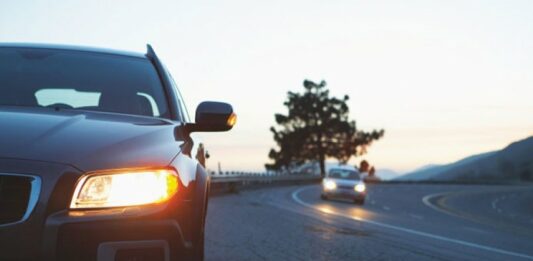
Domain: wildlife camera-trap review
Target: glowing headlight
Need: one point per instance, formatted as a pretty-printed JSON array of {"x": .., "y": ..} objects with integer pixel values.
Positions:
[
  {"x": 124, "y": 188},
  {"x": 360, "y": 187},
  {"x": 330, "y": 185}
]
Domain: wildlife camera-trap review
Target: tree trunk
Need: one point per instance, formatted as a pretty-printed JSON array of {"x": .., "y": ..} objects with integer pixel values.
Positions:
[
  {"x": 321, "y": 156},
  {"x": 322, "y": 168},
  {"x": 322, "y": 162}
]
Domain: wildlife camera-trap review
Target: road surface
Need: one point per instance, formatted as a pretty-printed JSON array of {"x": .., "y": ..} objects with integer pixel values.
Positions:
[{"x": 397, "y": 222}]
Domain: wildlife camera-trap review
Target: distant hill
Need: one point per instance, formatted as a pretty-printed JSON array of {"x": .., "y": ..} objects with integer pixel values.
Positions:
[
  {"x": 426, "y": 167},
  {"x": 514, "y": 162},
  {"x": 387, "y": 174},
  {"x": 433, "y": 171}
]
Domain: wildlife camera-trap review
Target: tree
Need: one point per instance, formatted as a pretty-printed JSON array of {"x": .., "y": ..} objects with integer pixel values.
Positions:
[
  {"x": 363, "y": 166},
  {"x": 317, "y": 127},
  {"x": 372, "y": 172}
]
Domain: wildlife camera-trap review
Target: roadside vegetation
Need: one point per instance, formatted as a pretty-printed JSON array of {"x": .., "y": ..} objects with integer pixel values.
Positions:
[{"x": 317, "y": 127}]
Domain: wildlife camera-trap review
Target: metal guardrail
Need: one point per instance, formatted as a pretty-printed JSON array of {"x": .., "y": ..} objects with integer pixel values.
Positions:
[
  {"x": 260, "y": 177},
  {"x": 235, "y": 181}
]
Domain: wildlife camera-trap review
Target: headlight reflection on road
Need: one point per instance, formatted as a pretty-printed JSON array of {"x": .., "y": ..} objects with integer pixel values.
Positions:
[
  {"x": 326, "y": 209},
  {"x": 356, "y": 213},
  {"x": 360, "y": 214}
]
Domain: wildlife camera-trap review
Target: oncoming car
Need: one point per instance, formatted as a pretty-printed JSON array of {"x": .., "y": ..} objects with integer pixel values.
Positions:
[
  {"x": 344, "y": 183},
  {"x": 97, "y": 161}
]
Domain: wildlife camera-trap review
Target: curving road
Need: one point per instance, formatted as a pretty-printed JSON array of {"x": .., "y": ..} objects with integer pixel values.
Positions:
[{"x": 398, "y": 222}]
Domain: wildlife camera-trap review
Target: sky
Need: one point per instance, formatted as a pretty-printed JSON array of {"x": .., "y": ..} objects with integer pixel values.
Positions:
[{"x": 445, "y": 79}]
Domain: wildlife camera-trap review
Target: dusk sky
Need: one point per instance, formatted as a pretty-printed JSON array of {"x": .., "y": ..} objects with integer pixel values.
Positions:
[{"x": 445, "y": 79}]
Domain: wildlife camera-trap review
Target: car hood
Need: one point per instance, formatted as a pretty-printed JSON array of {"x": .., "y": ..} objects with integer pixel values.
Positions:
[{"x": 86, "y": 140}]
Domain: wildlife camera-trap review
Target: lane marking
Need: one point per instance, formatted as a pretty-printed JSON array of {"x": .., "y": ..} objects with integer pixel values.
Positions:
[
  {"x": 386, "y": 208},
  {"x": 476, "y": 230},
  {"x": 416, "y": 216},
  {"x": 494, "y": 202},
  {"x": 409, "y": 231},
  {"x": 427, "y": 201}
]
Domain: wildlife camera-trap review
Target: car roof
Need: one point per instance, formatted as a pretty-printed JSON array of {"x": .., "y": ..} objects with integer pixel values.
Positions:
[{"x": 72, "y": 48}]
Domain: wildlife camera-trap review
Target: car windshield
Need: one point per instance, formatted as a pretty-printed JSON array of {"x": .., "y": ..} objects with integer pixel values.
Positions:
[
  {"x": 64, "y": 79},
  {"x": 344, "y": 174}
]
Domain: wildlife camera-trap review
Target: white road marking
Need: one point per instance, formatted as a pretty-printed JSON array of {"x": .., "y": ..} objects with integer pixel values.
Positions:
[
  {"x": 494, "y": 202},
  {"x": 409, "y": 231},
  {"x": 476, "y": 230},
  {"x": 386, "y": 208},
  {"x": 427, "y": 202},
  {"x": 416, "y": 216}
]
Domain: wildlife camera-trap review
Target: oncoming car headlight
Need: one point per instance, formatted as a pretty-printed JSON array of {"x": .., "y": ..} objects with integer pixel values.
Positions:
[
  {"x": 124, "y": 188},
  {"x": 360, "y": 187},
  {"x": 330, "y": 185}
]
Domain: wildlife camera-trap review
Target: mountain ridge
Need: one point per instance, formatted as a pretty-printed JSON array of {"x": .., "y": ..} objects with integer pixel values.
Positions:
[{"x": 514, "y": 162}]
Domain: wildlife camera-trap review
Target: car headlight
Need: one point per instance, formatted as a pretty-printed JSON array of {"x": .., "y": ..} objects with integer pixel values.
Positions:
[
  {"x": 330, "y": 185},
  {"x": 360, "y": 187},
  {"x": 124, "y": 188}
]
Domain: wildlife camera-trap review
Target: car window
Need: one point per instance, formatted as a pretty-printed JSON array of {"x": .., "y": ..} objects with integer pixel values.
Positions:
[
  {"x": 82, "y": 100},
  {"x": 180, "y": 101},
  {"x": 80, "y": 80},
  {"x": 153, "y": 103},
  {"x": 344, "y": 174},
  {"x": 71, "y": 97}
]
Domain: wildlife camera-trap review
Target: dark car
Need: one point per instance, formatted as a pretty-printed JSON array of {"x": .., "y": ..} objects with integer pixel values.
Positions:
[{"x": 96, "y": 157}]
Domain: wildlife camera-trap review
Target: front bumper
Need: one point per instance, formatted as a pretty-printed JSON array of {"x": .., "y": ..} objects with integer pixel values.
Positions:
[
  {"x": 344, "y": 193},
  {"x": 74, "y": 235},
  {"x": 52, "y": 232}
]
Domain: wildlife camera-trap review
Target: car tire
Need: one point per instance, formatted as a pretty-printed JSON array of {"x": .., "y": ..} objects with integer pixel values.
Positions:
[
  {"x": 359, "y": 201},
  {"x": 323, "y": 197}
]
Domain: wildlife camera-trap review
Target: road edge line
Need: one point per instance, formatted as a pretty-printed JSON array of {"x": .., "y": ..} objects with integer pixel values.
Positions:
[
  {"x": 427, "y": 201},
  {"x": 410, "y": 231}
]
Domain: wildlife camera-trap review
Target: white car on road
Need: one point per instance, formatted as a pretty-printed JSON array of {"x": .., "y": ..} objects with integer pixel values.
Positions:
[{"x": 344, "y": 182}]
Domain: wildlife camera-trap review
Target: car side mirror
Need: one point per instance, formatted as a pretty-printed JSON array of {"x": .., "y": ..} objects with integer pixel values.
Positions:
[{"x": 213, "y": 116}]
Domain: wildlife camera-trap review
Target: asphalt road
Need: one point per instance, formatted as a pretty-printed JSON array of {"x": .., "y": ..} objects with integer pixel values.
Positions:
[{"x": 398, "y": 222}]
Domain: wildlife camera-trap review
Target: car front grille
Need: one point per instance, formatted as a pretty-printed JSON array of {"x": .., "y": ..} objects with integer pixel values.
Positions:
[
  {"x": 18, "y": 196},
  {"x": 345, "y": 187}
]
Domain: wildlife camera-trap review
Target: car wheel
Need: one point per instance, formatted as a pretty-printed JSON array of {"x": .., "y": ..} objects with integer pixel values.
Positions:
[
  {"x": 359, "y": 201},
  {"x": 323, "y": 197}
]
